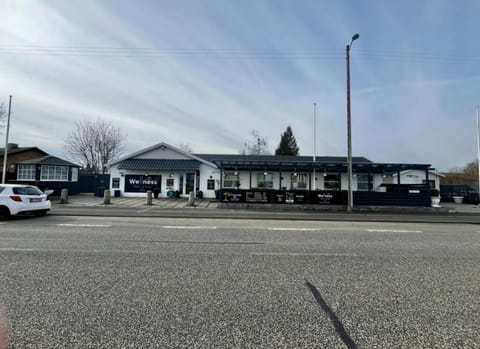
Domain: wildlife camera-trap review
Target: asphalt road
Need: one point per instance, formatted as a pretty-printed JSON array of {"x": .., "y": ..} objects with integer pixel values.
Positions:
[
  {"x": 384, "y": 215},
  {"x": 99, "y": 282}
]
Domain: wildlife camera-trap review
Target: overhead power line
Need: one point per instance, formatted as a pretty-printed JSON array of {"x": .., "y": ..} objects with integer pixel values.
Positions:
[{"x": 283, "y": 53}]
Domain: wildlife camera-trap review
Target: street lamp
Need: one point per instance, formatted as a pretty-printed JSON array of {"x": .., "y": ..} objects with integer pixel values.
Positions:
[{"x": 349, "y": 128}]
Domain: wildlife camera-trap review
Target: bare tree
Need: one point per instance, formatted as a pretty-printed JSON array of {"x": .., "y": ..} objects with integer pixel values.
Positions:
[
  {"x": 185, "y": 147},
  {"x": 466, "y": 175},
  {"x": 94, "y": 144},
  {"x": 3, "y": 114},
  {"x": 256, "y": 146}
]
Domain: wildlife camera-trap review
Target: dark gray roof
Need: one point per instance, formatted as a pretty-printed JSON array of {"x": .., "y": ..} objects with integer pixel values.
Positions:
[
  {"x": 159, "y": 165},
  {"x": 279, "y": 158},
  {"x": 305, "y": 163},
  {"x": 19, "y": 150},
  {"x": 48, "y": 160}
]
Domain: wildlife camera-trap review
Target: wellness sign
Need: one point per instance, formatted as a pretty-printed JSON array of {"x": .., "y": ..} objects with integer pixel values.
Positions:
[{"x": 140, "y": 184}]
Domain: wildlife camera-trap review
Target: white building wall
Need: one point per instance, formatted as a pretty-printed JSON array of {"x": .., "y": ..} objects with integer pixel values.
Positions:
[
  {"x": 160, "y": 153},
  {"x": 377, "y": 181},
  {"x": 417, "y": 177},
  {"x": 208, "y": 172}
]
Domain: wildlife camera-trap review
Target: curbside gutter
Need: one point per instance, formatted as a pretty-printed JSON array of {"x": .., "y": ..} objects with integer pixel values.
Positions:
[{"x": 372, "y": 214}]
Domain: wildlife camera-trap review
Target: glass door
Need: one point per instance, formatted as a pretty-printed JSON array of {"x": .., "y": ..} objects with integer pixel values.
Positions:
[{"x": 190, "y": 183}]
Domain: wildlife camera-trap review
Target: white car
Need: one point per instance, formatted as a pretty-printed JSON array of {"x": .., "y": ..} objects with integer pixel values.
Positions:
[{"x": 18, "y": 199}]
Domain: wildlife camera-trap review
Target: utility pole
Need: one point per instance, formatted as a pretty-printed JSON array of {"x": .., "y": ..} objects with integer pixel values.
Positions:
[
  {"x": 349, "y": 129},
  {"x": 4, "y": 173},
  {"x": 314, "y": 144},
  {"x": 478, "y": 150}
]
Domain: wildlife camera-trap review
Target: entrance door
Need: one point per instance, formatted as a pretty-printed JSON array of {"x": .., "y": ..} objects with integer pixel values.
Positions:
[{"x": 190, "y": 183}]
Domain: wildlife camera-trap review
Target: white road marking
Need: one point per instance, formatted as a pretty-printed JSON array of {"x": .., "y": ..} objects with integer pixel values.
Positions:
[
  {"x": 185, "y": 227},
  {"x": 294, "y": 229},
  {"x": 294, "y": 254},
  {"x": 393, "y": 231},
  {"x": 9, "y": 249},
  {"x": 84, "y": 225}
]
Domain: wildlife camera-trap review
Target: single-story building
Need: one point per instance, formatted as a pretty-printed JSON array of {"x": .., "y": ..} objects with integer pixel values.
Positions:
[
  {"x": 31, "y": 165},
  {"x": 169, "y": 171},
  {"x": 16, "y": 154}
]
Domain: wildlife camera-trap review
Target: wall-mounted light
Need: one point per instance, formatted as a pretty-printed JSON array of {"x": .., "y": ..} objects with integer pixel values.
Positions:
[
  {"x": 170, "y": 175},
  {"x": 236, "y": 172},
  {"x": 122, "y": 174},
  {"x": 325, "y": 172},
  {"x": 295, "y": 173}
]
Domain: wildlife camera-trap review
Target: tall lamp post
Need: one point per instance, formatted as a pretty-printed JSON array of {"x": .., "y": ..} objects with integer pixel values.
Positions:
[{"x": 349, "y": 128}]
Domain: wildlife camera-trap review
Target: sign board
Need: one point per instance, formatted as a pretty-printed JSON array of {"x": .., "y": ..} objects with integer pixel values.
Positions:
[
  {"x": 115, "y": 183},
  {"x": 141, "y": 183},
  {"x": 210, "y": 184},
  {"x": 232, "y": 196},
  {"x": 256, "y": 196},
  {"x": 324, "y": 198}
]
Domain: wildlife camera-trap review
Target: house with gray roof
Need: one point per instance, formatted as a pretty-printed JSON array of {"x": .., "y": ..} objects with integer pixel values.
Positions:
[
  {"x": 172, "y": 172},
  {"x": 34, "y": 166}
]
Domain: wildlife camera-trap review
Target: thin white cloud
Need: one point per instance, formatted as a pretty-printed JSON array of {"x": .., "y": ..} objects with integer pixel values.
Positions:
[{"x": 250, "y": 65}]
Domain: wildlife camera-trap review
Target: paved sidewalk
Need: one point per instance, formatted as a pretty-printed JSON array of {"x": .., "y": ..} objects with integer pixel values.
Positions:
[
  {"x": 461, "y": 208},
  {"x": 89, "y": 200},
  {"x": 89, "y": 205}
]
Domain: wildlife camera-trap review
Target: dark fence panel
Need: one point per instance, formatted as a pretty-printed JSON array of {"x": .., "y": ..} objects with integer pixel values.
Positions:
[
  {"x": 469, "y": 193},
  {"x": 323, "y": 197},
  {"x": 93, "y": 183},
  {"x": 390, "y": 199}
]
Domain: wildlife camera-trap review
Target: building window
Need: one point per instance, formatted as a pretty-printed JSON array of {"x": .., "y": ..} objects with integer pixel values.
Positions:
[
  {"x": 170, "y": 182},
  {"x": 299, "y": 181},
  {"x": 265, "y": 180},
  {"x": 54, "y": 173},
  {"x": 74, "y": 174},
  {"x": 362, "y": 182},
  {"x": 230, "y": 180},
  {"x": 26, "y": 172},
  {"x": 332, "y": 182}
]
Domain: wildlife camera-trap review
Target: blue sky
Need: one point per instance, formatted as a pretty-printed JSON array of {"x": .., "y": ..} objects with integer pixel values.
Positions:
[{"x": 206, "y": 73}]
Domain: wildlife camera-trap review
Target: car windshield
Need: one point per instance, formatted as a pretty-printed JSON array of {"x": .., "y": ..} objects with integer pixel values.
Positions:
[{"x": 26, "y": 191}]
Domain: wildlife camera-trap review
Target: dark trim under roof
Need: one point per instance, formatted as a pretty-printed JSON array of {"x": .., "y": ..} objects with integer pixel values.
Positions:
[{"x": 159, "y": 165}]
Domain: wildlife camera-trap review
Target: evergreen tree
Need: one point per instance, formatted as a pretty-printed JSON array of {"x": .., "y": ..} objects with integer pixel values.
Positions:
[{"x": 288, "y": 144}]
